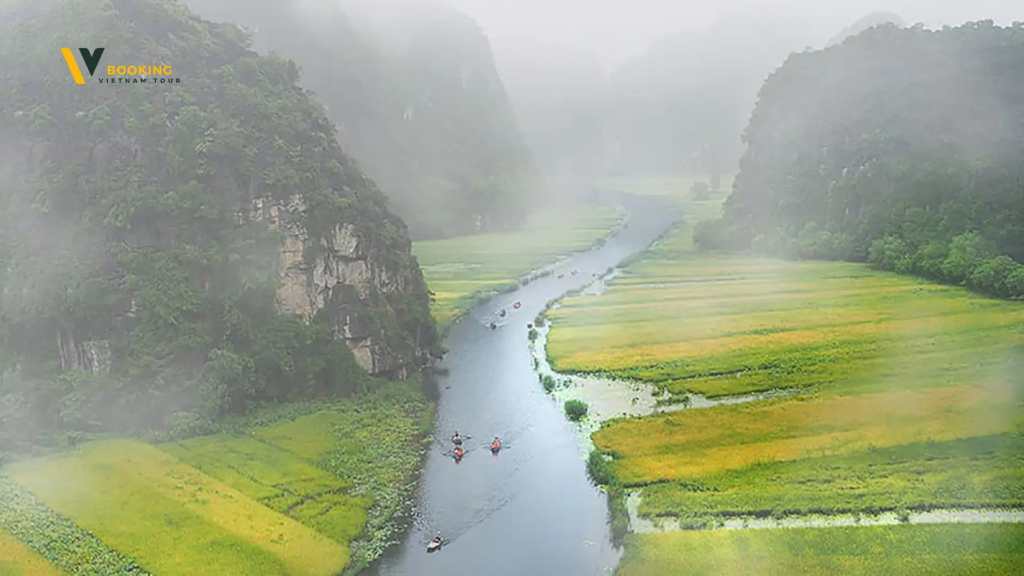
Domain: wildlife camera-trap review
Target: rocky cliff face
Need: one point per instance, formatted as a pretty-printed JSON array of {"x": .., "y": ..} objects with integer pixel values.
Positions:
[{"x": 352, "y": 281}]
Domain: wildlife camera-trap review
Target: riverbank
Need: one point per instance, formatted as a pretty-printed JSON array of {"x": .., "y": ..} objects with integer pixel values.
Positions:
[
  {"x": 893, "y": 395},
  {"x": 466, "y": 271},
  {"x": 485, "y": 384}
]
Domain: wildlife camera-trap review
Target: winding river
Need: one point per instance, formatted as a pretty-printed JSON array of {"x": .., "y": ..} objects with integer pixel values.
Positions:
[{"x": 530, "y": 510}]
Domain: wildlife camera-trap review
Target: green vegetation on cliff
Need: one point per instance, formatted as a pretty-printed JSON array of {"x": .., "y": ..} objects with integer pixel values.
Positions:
[
  {"x": 145, "y": 281},
  {"x": 898, "y": 147}
]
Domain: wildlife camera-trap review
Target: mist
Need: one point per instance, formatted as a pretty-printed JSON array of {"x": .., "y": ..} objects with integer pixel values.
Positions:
[{"x": 759, "y": 262}]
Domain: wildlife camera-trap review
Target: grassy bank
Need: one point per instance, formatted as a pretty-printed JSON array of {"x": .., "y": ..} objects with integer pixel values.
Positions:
[
  {"x": 861, "y": 551},
  {"x": 903, "y": 395},
  {"x": 297, "y": 489},
  {"x": 462, "y": 270}
]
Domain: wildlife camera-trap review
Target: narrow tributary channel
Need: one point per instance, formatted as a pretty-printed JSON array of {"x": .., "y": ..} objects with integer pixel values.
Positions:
[{"x": 531, "y": 509}]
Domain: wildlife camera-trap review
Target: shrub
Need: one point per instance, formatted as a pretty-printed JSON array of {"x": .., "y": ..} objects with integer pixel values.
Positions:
[
  {"x": 533, "y": 334},
  {"x": 966, "y": 252},
  {"x": 548, "y": 382},
  {"x": 991, "y": 275},
  {"x": 576, "y": 409},
  {"x": 599, "y": 467}
]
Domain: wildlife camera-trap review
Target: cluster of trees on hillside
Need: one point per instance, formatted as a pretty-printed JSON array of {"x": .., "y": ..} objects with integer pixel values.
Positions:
[
  {"x": 418, "y": 101},
  {"x": 136, "y": 288},
  {"x": 899, "y": 147}
]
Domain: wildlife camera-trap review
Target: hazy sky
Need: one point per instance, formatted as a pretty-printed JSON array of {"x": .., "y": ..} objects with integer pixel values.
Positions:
[{"x": 617, "y": 29}]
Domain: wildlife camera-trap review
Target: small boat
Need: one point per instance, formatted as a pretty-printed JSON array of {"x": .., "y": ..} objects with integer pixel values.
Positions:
[
  {"x": 435, "y": 544},
  {"x": 494, "y": 326},
  {"x": 502, "y": 313},
  {"x": 517, "y": 305}
]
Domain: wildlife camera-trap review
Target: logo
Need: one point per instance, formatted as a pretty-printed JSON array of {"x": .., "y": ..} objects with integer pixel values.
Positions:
[
  {"x": 91, "y": 61},
  {"x": 158, "y": 74}
]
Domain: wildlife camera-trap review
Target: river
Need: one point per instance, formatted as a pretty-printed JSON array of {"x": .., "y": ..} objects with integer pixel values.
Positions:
[{"x": 530, "y": 510}]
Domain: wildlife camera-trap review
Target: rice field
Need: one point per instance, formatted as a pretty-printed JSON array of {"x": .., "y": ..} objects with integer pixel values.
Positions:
[
  {"x": 308, "y": 488},
  {"x": 171, "y": 517},
  {"x": 985, "y": 472},
  {"x": 901, "y": 395},
  {"x": 461, "y": 270},
  {"x": 723, "y": 326},
  {"x": 939, "y": 549},
  {"x": 16, "y": 559},
  {"x": 280, "y": 480}
]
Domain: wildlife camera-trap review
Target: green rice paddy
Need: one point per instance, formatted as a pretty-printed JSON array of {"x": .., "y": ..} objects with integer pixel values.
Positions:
[
  {"x": 296, "y": 489},
  {"x": 938, "y": 549},
  {"x": 901, "y": 395}
]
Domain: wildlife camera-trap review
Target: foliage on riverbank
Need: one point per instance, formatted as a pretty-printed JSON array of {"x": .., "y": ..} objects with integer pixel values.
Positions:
[
  {"x": 850, "y": 551},
  {"x": 466, "y": 270}
]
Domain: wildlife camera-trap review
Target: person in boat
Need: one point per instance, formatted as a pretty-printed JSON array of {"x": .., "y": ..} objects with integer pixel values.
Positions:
[
  {"x": 456, "y": 439},
  {"x": 437, "y": 540},
  {"x": 502, "y": 313},
  {"x": 517, "y": 305},
  {"x": 458, "y": 452},
  {"x": 496, "y": 445},
  {"x": 494, "y": 326}
]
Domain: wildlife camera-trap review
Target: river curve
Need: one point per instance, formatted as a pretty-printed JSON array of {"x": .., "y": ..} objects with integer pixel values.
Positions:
[{"x": 530, "y": 509}]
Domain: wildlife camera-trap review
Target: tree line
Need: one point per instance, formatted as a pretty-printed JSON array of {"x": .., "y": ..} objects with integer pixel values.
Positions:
[{"x": 903, "y": 148}]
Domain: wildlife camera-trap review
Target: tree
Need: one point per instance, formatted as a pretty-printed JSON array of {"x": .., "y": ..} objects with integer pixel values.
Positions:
[{"x": 846, "y": 157}]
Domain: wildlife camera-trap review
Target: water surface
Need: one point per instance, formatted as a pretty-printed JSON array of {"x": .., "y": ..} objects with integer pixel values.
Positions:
[{"x": 530, "y": 510}]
